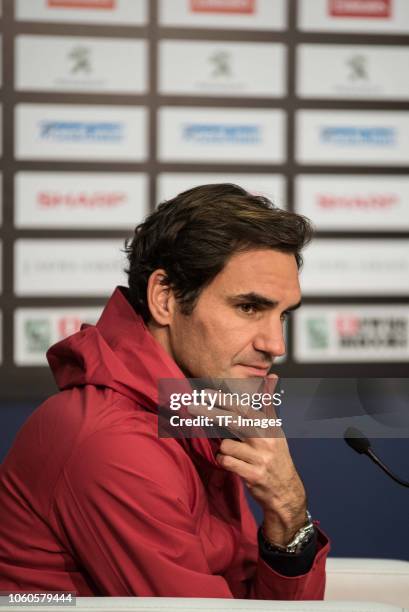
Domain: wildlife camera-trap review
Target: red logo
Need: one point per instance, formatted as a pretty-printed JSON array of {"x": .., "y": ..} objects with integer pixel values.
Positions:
[
  {"x": 347, "y": 325},
  {"x": 82, "y": 4},
  {"x": 223, "y": 6},
  {"x": 68, "y": 326},
  {"x": 363, "y": 202},
  {"x": 53, "y": 200},
  {"x": 360, "y": 8}
]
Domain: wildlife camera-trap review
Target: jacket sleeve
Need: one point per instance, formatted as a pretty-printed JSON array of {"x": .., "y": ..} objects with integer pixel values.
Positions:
[
  {"x": 267, "y": 583},
  {"x": 121, "y": 509},
  {"x": 252, "y": 576}
]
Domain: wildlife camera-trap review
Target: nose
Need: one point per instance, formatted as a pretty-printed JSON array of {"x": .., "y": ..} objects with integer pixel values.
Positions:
[{"x": 269, "y": 338}]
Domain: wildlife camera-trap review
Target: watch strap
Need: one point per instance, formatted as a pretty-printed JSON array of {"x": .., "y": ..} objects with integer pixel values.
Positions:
[
  {"x": 300, "y": 539},
  {"x": 288, "y": 564}
]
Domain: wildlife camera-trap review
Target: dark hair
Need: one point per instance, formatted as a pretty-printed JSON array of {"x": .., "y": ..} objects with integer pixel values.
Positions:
[{"x": 194, "y": 234}]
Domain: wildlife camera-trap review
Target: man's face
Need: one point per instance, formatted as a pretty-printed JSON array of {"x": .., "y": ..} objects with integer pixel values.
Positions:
[{"x": 236, "y": 327}]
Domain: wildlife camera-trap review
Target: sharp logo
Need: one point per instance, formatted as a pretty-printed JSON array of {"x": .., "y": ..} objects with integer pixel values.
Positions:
[
  {"x": 372, "y": 332},
  {"x": 83, "y": 4},
  {"x": 74, "y": 200},
  {"x": 80, "y": 59},
  {"x": 378, "y": 9},
  {"x": 359, "y": 202},
  {"x": 77, "y": 131},
  {"x": 358, "y": 69},
  {"x": 223, "y": 6},
  {"x": 221, "y": 65},
  {"x": 222, "y": 134},
  {"x": 358, "y": 136}
]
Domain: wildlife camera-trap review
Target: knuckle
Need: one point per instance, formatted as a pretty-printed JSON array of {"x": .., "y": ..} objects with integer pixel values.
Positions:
[
  {"x": 225, "y": 445},
  {"x": 264, "y": 461},
  {"x": 228, "y": 461},
  {"x": 259, "y": 473}
]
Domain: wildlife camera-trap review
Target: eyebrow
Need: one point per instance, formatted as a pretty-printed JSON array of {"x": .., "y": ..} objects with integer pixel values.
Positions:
[{"x": 261, "y": 300}]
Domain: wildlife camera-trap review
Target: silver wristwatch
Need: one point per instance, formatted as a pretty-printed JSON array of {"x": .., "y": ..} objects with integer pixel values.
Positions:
[{"x": 299, "y": 541}]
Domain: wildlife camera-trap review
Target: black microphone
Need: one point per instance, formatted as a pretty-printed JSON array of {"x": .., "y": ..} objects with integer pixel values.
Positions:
[{"x": 356, "y": 440}]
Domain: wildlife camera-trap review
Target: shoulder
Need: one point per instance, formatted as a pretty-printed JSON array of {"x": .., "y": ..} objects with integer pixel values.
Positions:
[{"x": 124, "y": 453}]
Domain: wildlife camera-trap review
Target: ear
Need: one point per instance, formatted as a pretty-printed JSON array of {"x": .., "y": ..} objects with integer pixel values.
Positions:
[{"x": 160, "y": 298}]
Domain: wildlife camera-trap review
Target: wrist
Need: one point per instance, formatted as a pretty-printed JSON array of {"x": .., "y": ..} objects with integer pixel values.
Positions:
[
  {"x": 300, "y": 539},
  {"x": 280, "y": 527}
]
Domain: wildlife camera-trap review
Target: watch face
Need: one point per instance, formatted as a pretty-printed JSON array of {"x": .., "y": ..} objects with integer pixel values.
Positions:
[
  {"x": 299, "y": 541},
  {"x": 305, "y": 538}
]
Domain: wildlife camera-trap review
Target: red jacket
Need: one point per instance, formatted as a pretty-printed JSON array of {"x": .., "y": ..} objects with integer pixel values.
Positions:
[{"x": 92, "y": 501}]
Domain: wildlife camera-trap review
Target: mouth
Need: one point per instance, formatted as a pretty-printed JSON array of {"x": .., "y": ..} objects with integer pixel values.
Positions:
[{"x": 254, "y": 370}]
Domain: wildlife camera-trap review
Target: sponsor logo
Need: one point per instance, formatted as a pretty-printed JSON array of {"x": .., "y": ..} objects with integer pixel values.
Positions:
[
  {"x": 40, "y": 332},
  {"x": 270, "y": 185},
  {"x": 221, "y": 65},
  {"x": 355, "y": 332},
  {"x": 317, "y": 332},
  {"x": 205, "y": 133},
  {"x": 36, "y": 329},
  {"x": 68, "y": 267},
  {"x": 358, "y": 68},
  {"x": 361, "y": 202},
  {"x": 85, "y": 199},
  {"x": 359, "y": 136},
  {"x": 81, "y": 131},
  {"x": 82, "y": 4},
  {"x": 381, "y": 9},
  {"x": 37, "y": 333},
  {"x": 365, "y": 265},
  {"x": 65, "y": 265},
  {"x": 223, "y": 6},
  {"x": 67, "y": 326},
  {"x": 371, "y": 332},
  {"x": 81, "y": 199},
  {"x": 80, "y": 59},
  {"x": 220, "y": 75},
  {"x": 357, "y": 79}
]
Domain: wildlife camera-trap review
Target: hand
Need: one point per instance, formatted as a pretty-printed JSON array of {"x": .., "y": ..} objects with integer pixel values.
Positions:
[
  {"x": 266, "y": 466},
  {"x": 267, "y": 469}
]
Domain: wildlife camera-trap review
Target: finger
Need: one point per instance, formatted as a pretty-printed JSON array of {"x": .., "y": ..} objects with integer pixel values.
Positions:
[
  {"x": 241, "y": 468},
  {"x": 241, "y": 451},
  {"x": 255, "y": 450},
  {"x": 270, "y": 383}
]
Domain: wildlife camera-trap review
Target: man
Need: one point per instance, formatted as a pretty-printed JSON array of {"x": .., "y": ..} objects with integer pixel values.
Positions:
[{"x": 92, "y": 500}]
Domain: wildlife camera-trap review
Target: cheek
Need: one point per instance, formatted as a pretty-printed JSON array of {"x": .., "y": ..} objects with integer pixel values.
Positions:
[
  {"x": 207, "y": 347},
  {"x": 210, "y": 340},
  {"x": 224, "y": 344}
]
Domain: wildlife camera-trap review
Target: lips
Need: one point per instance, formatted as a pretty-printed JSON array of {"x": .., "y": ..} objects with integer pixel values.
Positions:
[{"x": 260, "y": 370}]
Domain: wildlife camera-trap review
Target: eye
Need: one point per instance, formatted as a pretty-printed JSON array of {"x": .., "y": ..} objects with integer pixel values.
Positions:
[
  {"x": 248, "y": 308},
  {"x": 285, "y": 315}
]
